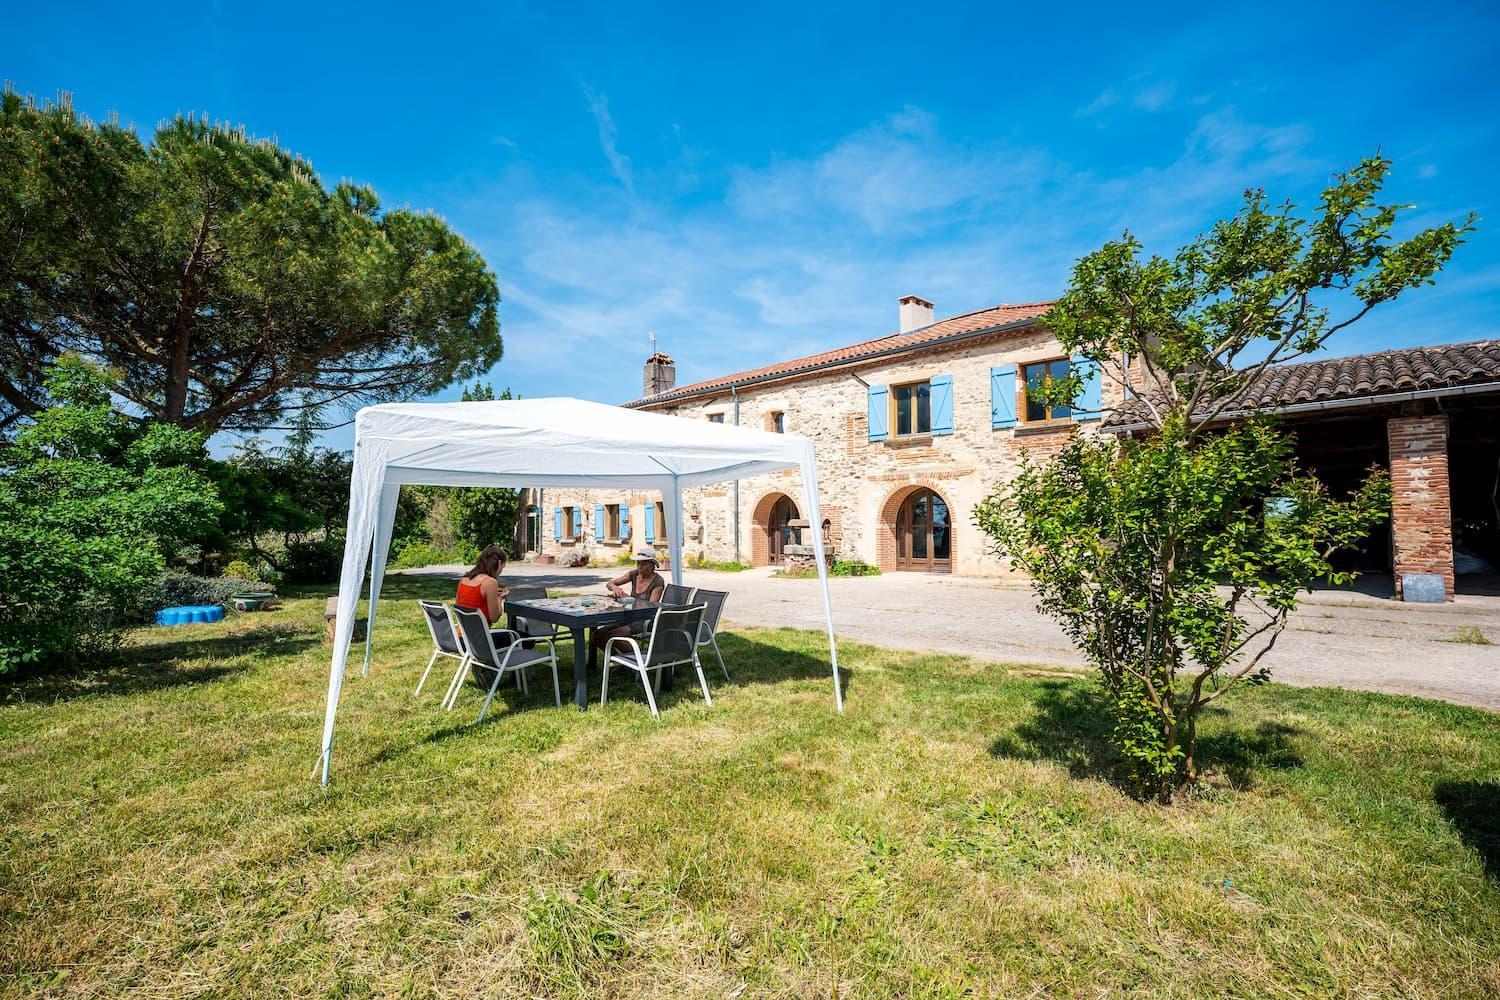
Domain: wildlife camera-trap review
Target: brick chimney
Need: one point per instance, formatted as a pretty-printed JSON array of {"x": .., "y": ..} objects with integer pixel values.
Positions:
[
  {"x": 660, "y": 375},
  {"x": 916, "y": 312}
]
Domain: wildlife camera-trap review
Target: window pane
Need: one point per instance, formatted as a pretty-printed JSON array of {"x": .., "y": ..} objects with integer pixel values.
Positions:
[
  {"x": 924, "y": 407},
  {"x": 903, "y": 409},
  {"x": 919, "y": 542},
  {"x": 1035, "y": 375},
  {"x": 1060, "y": 370},
  {"x": 940, "y": 543},
  {"x": 716, "y": 418}
]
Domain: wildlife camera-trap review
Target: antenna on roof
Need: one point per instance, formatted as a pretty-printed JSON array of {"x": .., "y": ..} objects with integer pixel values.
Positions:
[{"x": 653, "y": 341}]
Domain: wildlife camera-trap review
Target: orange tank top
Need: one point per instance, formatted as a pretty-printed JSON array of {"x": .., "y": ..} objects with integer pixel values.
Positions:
[{"x": 470, "y": 596}]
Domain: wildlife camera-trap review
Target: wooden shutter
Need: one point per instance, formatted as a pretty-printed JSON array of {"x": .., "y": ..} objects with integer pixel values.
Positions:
[
  {"x": 557, "y": 524},
  {"x": 625, "y": 521},
  {"x": 598, "y": 522},
  {"x": 942, "y": 404},
  {"x": 1089, "y": 405},
  {"x": 878, "y": 408},
  {"x": 1003, "y": 396},
  {"x": 650, "y": 512},
  {"x": 577, "y": 522}
]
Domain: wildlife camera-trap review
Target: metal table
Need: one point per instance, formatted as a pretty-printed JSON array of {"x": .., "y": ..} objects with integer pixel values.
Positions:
[{"x": 571, "y": 613}]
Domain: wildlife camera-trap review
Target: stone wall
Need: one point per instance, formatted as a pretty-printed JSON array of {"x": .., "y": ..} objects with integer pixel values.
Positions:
[{"x": 862, "y": 483}]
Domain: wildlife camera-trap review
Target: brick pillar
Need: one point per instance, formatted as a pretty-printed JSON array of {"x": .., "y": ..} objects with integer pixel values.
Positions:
[{"x": 1421, "y": 511}]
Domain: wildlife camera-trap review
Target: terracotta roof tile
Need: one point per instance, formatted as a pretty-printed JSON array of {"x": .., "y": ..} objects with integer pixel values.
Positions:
[
  {"x": 1383, "y": 373},
  {"x": 976, "y": 323}
]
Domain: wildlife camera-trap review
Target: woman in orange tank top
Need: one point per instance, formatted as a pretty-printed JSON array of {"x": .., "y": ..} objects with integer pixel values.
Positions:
[{"x": 480, "y": 589}]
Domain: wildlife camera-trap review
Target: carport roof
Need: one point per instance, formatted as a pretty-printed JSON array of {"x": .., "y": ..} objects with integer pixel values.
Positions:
[{"x": 1311, "y": 384}]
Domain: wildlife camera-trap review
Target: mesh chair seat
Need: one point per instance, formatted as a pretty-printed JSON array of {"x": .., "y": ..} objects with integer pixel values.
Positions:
[
  {"x": 673, "y": 639},
  {"x": 484, "y": 660}
]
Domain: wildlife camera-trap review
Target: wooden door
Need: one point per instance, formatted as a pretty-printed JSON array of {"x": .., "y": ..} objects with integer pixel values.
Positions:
[{"x": 924, "y": 534}]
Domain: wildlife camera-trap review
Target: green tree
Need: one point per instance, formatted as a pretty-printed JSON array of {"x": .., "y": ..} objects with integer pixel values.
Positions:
[
  {"x": 1173, "y": 558},
  {"x": 92, "y": 504},
  {"x": 222, "y": 284}
]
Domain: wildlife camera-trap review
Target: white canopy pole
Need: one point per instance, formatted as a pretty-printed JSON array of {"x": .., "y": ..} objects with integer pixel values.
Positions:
[
  {"x": 385, "y": 523},
  {"x": 815, "y": 524},
  {"x": 674, "y": 530},
  {"x": 365, "y": 483}
]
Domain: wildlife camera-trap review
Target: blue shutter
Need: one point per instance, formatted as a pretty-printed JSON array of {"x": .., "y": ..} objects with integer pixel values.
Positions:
[
  {"x": 1089, "y": 405},
  {"x": 625, "y": 521},
  {"x": 879, "y": 412},
  {"x": 942, "y": 404},
  {"x": 598, "y": 522},
  {"x": 1003, "y": 396},
  {"x": 577, "y": 522},
  {"x": 650, "y": 512},
  {"x": 557, "y": 524}
]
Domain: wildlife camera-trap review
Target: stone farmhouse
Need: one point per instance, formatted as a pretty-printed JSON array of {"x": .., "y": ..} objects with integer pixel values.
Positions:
[{"x": 915, "y": 427}]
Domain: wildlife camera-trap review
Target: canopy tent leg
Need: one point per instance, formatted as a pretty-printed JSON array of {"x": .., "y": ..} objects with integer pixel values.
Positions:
[
  {"x": 815, "y": 525},
  {"x": 674, "y": 529},
  {"x": 366, "y": 480},
  {"x": 385, "y": 523}
]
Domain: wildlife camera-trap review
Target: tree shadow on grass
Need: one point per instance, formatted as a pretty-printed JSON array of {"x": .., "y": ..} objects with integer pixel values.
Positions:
[
  {"x": 1473, "y": 807},
  {"x": 1071, "y": 725},
  {"x": 138, "y": 669}
]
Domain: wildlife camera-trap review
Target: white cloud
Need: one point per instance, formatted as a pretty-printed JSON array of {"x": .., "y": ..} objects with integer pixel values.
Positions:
[
  {"x": 609, "y": 137},
  {"x": 806, "y": 253}
]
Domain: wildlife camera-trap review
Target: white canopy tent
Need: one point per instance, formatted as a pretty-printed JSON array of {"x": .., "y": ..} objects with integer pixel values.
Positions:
[{"x": 542, "y": 443}]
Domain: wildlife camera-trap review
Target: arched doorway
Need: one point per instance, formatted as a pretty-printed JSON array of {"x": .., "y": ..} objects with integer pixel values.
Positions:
[
  {"x": 924, "y": 533},
  {"x": 779, "y": 530},
  {"x": 771, "y": 531}
]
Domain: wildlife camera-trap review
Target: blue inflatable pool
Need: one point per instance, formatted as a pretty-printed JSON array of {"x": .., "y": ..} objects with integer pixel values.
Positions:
[{"x": 190, "y": 613}]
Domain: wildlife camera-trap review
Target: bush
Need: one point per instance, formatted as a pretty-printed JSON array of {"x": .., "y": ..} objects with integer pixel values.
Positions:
[
  {"x": 315, "y": 560},
  {"x": 852, "y": 567},
  {"x": 574, "y": 559},
  {"x": 174, "y": 588},
  {"x": 418, "y": 554},
  {"x": 241, "y": 570}
]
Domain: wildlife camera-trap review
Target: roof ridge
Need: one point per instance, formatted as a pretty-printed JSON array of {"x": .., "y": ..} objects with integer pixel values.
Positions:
[{"x": 797, "y": 365}]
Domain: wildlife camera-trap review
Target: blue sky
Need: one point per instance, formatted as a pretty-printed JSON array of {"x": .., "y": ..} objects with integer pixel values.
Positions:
[{"x": 761, "y": 181}]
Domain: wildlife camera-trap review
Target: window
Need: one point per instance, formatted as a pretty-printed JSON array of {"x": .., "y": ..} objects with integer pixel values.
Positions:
[
  {"x": 569, "y": 523},
  {"x": 1037, "y": 374},
  {"x": 659, "y": 512},
  {"x": 777, "y": 421},
  {"x": 612, "y": 521},
  {"x": 716, "y": 418},
  {"x": 912, "y": 404}
]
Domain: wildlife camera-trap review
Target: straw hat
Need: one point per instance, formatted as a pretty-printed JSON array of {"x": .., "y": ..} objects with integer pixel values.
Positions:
[{"x": 644, "y": 556}]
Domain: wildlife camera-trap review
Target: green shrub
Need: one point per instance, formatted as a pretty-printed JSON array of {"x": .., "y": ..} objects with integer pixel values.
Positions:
[
  {"x": 418, "y": 554},
  {"x": 92, "y": 502},
  {"x": 241, "y": 570},
  {"x": 315, "y": 560},
  {"x": 174, "y": 588},
  {"x": 852, "y": 567}
]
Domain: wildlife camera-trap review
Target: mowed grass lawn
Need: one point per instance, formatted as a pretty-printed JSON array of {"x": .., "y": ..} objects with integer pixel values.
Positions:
[{"x": 954, "y": 833}]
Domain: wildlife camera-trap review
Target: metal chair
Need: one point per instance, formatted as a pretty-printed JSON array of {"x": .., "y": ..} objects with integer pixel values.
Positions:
[
  {"x": 676, "y": 596},
  {"x": 445, "y": 641},
  {"x": 482, "y": 655},
  {"x": 713, "y": 607},
  {"x": 673, "y": 641}
]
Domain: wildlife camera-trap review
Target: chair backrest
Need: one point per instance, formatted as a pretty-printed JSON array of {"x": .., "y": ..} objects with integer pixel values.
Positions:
[
  {"x": 713, "y": 607},
  {"x": 674, "y": 635},
  {"x": 441, "y": 627},
  {"x": 476, "y": 632},
  {"x": 524, "y": 625},
  {"x": 677, "y": 596}
]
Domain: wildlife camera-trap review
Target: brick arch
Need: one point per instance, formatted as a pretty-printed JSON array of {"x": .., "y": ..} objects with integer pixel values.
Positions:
[
  {"x": 760, "y": 525},
  {"x": 885, "y": 541}
]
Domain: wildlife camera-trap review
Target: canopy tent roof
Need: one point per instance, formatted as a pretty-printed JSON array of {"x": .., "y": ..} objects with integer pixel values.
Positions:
[
  {"x": 541, "y": 443},
  {"x": 567, "y": 442}
]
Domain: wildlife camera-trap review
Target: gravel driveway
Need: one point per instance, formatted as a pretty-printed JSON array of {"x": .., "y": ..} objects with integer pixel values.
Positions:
[{"x": 1337, "y": 639}]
